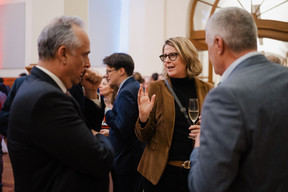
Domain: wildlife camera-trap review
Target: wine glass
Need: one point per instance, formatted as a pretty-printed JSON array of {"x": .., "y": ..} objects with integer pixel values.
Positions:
[{"x": 193, "y": 109}]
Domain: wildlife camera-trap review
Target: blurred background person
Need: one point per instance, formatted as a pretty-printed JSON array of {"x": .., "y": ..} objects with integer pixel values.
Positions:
[
  {"x": 274, "y": 58},
  {"x": 4, "y": 88},
  {"x": 162, "y": 125},
  {"x": 2, "y": 100},
  {"x": 109, "y": 93},
  {"x": 138, "y": 77},
  {"x": 154, "y": 77}
]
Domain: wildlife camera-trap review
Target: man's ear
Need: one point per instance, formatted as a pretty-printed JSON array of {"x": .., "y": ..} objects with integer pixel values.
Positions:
[
  {"x": 219, "y": 44},
  {"x": 122, "y": 71},
  {"x": 62, "y": 54}
]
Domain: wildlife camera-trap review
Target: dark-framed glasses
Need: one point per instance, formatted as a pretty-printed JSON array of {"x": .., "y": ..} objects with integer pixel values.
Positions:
[
  {"x": 109, "y": 71},
  {"x": 171, "y": 56}
]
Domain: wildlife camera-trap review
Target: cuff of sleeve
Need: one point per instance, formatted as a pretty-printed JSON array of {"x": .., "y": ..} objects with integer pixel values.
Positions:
[{"x": 107, "y": 109}]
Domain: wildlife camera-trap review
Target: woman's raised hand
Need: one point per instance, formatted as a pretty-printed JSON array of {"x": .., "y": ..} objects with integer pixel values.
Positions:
[{"x": 145, "y": 105}]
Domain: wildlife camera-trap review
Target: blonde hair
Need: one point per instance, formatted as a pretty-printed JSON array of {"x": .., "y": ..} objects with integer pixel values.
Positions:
[{"x": 188, "y": 53}]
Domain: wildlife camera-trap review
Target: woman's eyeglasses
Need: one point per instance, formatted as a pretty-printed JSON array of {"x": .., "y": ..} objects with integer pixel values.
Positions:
[{"x": 171, "y": 56}]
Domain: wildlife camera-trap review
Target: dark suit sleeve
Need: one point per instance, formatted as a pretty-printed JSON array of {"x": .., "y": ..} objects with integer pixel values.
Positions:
[
  {"x": 61, "y": 132},
  {"x": 5, "y": 111},
  {"x": 222, "y": 141},
  {"x": 4, "y": 117},
  {"x": 123, "y": 117},
  {"x": 93, "y": 113}
]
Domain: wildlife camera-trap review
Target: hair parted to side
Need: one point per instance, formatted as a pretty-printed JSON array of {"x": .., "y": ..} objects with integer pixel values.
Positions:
[
  {"x": 120, "y": 60},
  {"x": 235, "y": 26},
  {"x": 58, "y": 32},
  {"x": 188, "y": 54}
]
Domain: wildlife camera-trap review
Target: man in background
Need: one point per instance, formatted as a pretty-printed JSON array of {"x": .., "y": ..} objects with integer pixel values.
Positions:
[
  {"x": 2, "y": 100},
  {"x": 4, "y": 88},
  {"x": 121, "y": 120},
  {"x": 243, "y": 140},
  {"x": 50, "y": 146}
]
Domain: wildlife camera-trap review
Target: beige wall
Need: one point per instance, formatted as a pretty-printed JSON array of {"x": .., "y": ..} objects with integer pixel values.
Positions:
[
  {"x": 77, "y": 8},
  {"x": 151, "y": 22},
  {"x": 42, "y": 11}
]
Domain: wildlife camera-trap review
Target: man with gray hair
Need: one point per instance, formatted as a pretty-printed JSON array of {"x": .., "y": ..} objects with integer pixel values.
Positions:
[
  {"x": 244, "y": 131},
  {"x": 50, "y": 145}
]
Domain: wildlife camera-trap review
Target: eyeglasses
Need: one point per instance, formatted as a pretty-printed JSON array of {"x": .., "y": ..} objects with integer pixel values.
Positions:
[
  {"x": 171, "y": 56},
  {"x": 109, "y": 71}
]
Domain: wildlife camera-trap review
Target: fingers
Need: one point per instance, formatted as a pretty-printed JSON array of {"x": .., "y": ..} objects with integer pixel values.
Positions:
[
  {"x": 153, "y": 99},
  {"x": 146, "y": 90},
  {"x": 194, "y": 131},
  {"x": 105, "y": 132},
  {"x": 197, "y": 140},
  {"x": 192, "y": 127},
  {"x": 92, "y": 76},
  {"x": 140, "y": 92},
  {"x": 91, "y": 81}
]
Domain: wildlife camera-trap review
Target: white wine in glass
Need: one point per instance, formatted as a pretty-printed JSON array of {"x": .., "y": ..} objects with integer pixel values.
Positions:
[{"x": 193, "y": 110}]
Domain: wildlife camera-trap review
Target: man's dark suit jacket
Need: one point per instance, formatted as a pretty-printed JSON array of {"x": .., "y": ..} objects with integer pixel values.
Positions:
[
  {"x": 121, "y": 120},
  {"x": 88, "y": 108},
  {"x": 50, "y": 146},
  {"x": 4, "y": 113}
]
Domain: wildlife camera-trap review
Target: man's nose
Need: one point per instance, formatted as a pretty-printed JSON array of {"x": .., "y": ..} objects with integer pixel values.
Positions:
[{"x": 87, "y": 63}]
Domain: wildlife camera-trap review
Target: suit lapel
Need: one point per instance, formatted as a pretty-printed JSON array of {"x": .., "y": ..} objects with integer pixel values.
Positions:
[
  {"x": 129, "y": 80},
  {"x": 77, "y": 106},
  {"x": 43, "y": 76}
]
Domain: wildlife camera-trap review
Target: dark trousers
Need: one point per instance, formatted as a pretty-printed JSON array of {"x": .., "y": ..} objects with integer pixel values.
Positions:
[
  {"x": 173, "y": 179},
  {"x": 127, "y": 183}
]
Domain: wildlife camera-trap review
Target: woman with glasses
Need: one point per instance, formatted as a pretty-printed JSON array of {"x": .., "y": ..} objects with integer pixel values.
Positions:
[{"x": 161, "y": 124}]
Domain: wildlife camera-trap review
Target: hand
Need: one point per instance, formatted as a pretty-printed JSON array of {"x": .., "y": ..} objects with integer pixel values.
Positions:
[
  {"x": 194, "y": 131},
  {"x": 91, "y": 81},
  {"x": 105, "y": 132},
  {"x": 94, "y": 132},
  {"x": 145, "y": 105},
  {"x": 197, "y": 140}
]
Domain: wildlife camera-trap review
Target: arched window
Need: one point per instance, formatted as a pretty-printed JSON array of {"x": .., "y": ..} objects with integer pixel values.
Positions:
[{"x": 270, "y": 16}]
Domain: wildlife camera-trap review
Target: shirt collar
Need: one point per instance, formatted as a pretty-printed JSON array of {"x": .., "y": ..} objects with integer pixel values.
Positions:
[
  {"x": 237, "y": 62},
  {"x": 54, "y": 77},
  {"x": 123, "y": 83}
]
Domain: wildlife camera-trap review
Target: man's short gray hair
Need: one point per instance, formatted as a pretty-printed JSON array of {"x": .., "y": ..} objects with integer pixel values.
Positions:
[
  {"x": 235, "y": 26},
  {"x": 58, "y": 32}
]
